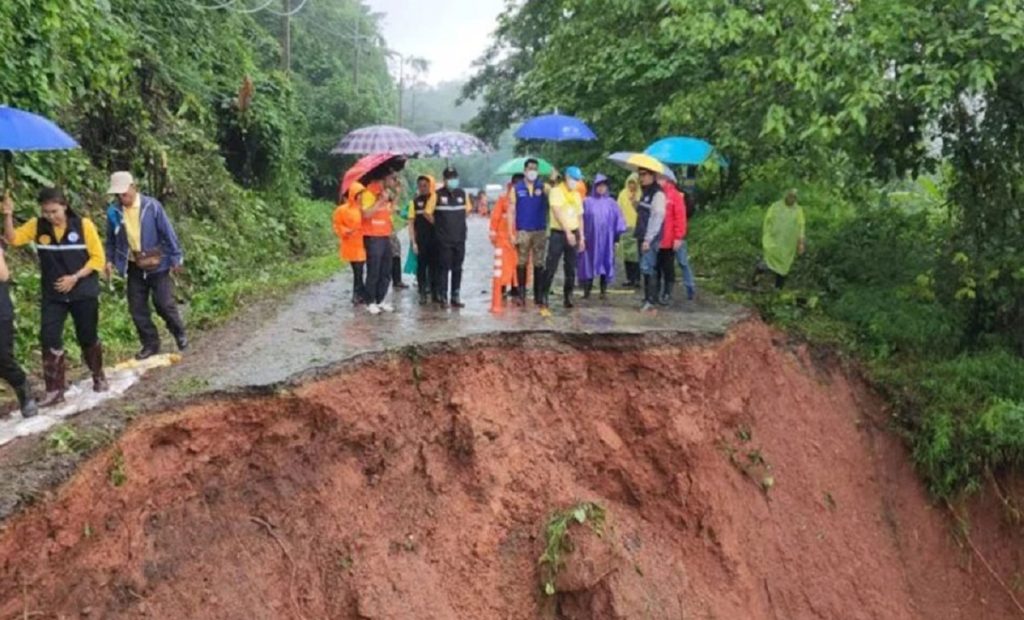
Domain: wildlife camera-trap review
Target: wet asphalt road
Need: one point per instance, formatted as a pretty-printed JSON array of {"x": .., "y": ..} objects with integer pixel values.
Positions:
[{"x": 319, "y": 326}]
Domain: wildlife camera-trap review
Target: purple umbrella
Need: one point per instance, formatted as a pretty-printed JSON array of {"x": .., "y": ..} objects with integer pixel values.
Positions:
[
  {"x": 455, "y": 143},
  {"x": 381, "y": 139}
]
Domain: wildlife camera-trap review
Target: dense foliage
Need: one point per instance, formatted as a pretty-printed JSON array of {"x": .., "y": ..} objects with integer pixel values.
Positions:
[
  {"x": 195, "y": 101},
  {"x": 901, "y": 121}
]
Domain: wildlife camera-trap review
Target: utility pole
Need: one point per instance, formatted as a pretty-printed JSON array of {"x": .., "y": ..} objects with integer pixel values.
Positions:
[
  {"x": 401, "y": 85},
  {"x": 286, "y": 37},
  {"x": 359, "y": 49}
]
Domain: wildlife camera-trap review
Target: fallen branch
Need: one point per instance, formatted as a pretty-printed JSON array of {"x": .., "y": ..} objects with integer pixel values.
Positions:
[{"x": 291, "y": 561}]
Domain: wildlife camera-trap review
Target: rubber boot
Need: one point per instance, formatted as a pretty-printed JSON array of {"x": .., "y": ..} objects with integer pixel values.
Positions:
[
  {"x": 632, "y": 274},
  {"x": 27, "y": 404},
  {"x": 457, "y": 300},
  {"x": 650, "y": 292},
  {"x": 604, "y": 287},
  {"x": 567, "y": 301},
  {"x": 94, "y": 360},
  {"x": 54, "y": 366},
  {"x": 540, "y": 282},
  {"x": 521, "y": 289},
  {"x": 588, "y": 285}
]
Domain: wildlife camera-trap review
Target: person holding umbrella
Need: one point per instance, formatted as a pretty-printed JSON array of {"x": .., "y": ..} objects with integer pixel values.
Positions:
[
  {"x": 567, "y": 234},
  {"x": 527, "y": 224},
  {"x": 70, "y": 258},
  {"x": 449, "y": 213},
  {"x": 377, "y": 203},
  {"x": 10, "y": 369},
  {"x": 649, "y": 228}
]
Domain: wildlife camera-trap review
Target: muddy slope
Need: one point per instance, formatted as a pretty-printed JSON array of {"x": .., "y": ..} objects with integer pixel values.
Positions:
[{"x": 740, "y": 480}]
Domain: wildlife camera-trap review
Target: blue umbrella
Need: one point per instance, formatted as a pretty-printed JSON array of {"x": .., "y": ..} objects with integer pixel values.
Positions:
[
  {"x": 24, "y": 131},
  {"x": 555, "y": 128},
  {"x": 681, "y": 151}
]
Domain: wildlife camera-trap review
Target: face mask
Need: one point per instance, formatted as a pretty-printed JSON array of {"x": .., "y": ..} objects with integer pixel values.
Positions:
[
  {"x": 572, "y": 184},
  {"x": 453, "y": 184},
  {"x": 531, "y": 175}
]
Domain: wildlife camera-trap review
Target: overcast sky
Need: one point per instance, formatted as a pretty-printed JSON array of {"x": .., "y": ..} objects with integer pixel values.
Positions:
[{"x": 451, "y": 34}]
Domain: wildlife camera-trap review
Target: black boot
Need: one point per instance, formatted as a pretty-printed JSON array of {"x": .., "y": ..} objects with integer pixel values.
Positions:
[
  {"x": 457, "y": 300},
  {"x": 588, "y": 285},
  {"x": 26, "y": 403},
  {"x": 650, "y": 292},
  {"x": 567, "y": 294},
  {"x": 540, "y": 284},
  {"x": 632, "y": 274},
  {"x": 604, "y": 287},
  {"x": 521, "y": 288},
  {"x": 94, "y": 360}
]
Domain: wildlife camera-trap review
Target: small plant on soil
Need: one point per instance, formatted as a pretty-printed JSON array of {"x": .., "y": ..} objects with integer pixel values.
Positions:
[
  {"x": 557, "y": 544},
  {"x": 117, "y": 473},
  {"x": 67, "y": 440}
]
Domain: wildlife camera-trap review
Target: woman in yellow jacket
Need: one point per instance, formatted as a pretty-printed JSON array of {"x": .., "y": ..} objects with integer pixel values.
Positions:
[{"x": 348, "y": 226}]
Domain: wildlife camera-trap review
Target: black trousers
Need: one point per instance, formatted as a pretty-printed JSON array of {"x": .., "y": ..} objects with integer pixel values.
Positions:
[
  {"x": 84, "y": 312},
  {"x": 427, "y": 262},
  {"x": 358, "y": 284},
  {"x": 559, "y": 250},
  {"x": 452, "y": 255},
  {"x": 666, "y": 269},
  {"x": 378, "y": 268},
  {"x": 10, "y": 369},
  {"x": 159, "y": 286}
]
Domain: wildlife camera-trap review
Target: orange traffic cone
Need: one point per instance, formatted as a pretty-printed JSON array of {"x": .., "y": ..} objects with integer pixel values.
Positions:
[{"x": 496, "y": 301}]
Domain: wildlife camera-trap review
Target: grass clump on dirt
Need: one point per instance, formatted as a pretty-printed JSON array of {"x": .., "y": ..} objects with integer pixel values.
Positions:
[
  {"x": 882, "y": 281},
  {"x": 66, "y": 439},
  {"x": 557, "y": 544}
]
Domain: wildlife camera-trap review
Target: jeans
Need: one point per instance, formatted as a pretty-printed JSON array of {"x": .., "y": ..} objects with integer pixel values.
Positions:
[
  {"x": 160, "y": 286},
  {"x": 649, "y": 259},
  {"x": 683, "y": 258},
  {"x": 378, "y": 268}
]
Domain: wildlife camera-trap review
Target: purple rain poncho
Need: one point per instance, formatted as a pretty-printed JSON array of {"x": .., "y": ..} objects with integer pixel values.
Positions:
[{"x": 603, "y": 223}]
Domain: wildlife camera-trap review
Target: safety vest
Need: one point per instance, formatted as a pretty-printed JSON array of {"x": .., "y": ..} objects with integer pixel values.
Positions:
[
  {"x": 450, "y": 216},
  {"x": 531, "y": 206},
  {"x": 643, "y": 209},
  {"x": 379, "y": 224},
  {"x": 64, "y": 257}
]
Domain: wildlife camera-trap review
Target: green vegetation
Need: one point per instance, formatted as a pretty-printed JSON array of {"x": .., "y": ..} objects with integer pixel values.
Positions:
[
  {"x": 66, "y": 439},
  {"x": 899, "y": 122},
  {"x": 556, "y": 542},
  {"x": 196, "y": 104}
]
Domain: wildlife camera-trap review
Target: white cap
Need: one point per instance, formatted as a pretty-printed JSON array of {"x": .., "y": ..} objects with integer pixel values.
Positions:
[{"x": 120, "y": 182}]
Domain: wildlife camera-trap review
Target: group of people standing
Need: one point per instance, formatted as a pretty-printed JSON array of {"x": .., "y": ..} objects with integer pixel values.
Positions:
[
  {"x": 140, "y": 245},
  {"x": 534, "y": 223}
]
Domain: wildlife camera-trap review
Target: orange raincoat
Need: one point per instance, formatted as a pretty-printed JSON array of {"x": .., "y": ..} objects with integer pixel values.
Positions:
[
  {"x": 348, "y": 225},
  {"x": 500, "y": 240}
]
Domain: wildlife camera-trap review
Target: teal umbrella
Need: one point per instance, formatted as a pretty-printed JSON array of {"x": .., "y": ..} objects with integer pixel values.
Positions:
[{"x": 515, "y": 166}]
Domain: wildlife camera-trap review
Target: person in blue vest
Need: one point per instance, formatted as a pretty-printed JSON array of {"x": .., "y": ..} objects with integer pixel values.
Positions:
[
  {"x": 528, "y": 226},
  {"x": 10, "y": 369},
  {"x": 70, "y": 258},
  {"x": 142, "y": 246},
  {"x": 449, "y": 213}
]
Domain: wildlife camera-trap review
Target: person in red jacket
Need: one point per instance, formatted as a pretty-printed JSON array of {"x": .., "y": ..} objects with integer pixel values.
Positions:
[{"x": 671, "y": 240}]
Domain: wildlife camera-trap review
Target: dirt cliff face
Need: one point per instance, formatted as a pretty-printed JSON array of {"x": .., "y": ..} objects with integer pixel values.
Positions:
[{"x": 739, "y": 479}]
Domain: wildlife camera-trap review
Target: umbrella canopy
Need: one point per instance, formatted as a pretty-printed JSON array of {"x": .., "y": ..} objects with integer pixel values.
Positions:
[
  {"x": 369, "y": 164},
  {"x": 25, "y": 131},
  {"x": 381, "y": 139},
  {"x": 635, "y": 161},
  {"x": 555, "y": 128},
  {"x": 515, "y": 166},
  {"x": 681, "y": 150},
  {"x": 454, "y": 143}
]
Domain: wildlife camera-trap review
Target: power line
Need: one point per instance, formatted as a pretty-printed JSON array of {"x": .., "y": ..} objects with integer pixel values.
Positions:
[
  {"x": 291, "y": 12},
  {"x": 206, "y": 7},
  {"x": 256, "y": 10}
]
